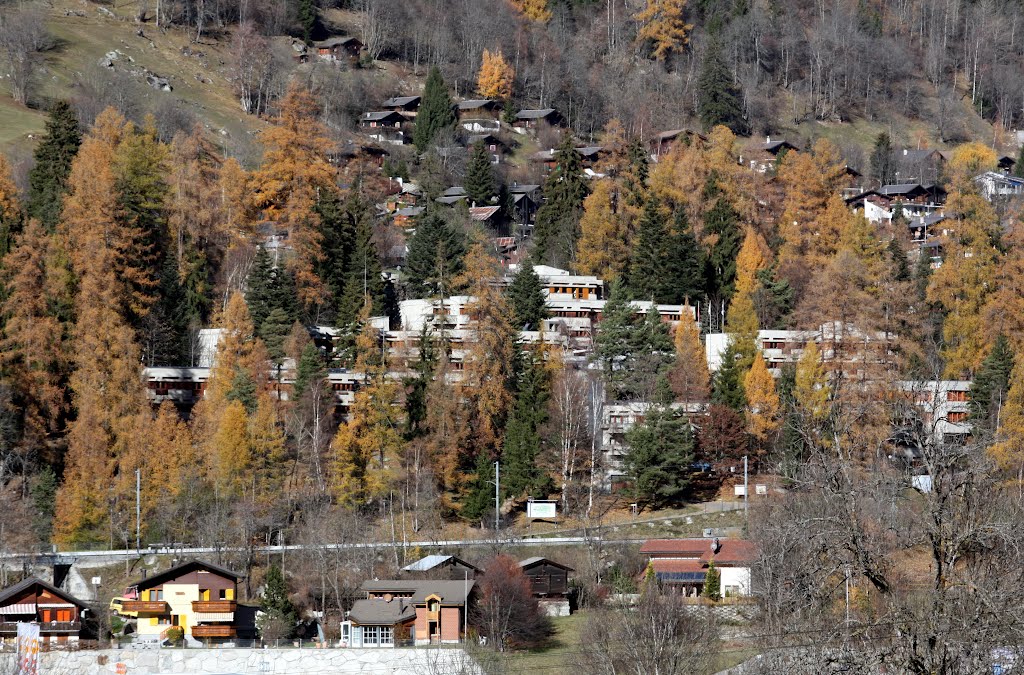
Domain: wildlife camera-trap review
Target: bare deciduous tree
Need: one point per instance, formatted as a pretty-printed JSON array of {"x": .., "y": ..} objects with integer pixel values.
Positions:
[{"x": 22, "y": 37}]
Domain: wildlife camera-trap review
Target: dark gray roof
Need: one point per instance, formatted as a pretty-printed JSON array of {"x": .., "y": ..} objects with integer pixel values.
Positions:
[
  {"x": 183, "y": 568},
  {"x": 381, "y": 612},
  {"x": 475, "y": 104},
  {"x": 534, "y": 114},
  {"x": 450, "y": 592},
  {"x": 522, "y": 189},
  {"x": 454, "y": 191},
  {"x": 590, "y": 150},
  {"x": 529, "y": 562},
  {"x": 410, "y": 211},
  {"x": 476, "y": 138},
  {"x": 450, "y": 199},
  {"x": 909, "y": 155},
  {"x": 379, "y": 115},
  {"x": 22, "y": 586},
  {"x": 400, "y": 101},
  {"x": 774, "y": 147}
]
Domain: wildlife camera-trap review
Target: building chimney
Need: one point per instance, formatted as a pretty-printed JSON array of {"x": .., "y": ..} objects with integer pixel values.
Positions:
[
  {"x": 716, "y": 545},
  {"x": 767, "y": 139}
]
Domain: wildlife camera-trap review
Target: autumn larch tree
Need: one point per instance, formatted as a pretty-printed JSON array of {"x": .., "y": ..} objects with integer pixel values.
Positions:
[
  {"x": 107, "y": 390},
  {"x": 556, "y": 230},
  {"x": 535, "y": 10},
  {"x": 436, "y": 113},
  {"x": 662, "y": 25},
  {"x": 1008, "y": 451},
  {"x": 689, "y": 376},
  {"x": 811, "y": 391},
  {"x": 496, "y": 76},
  {"x": 48, "y": 179},
  {"x": 762, "y": 400},
  {"x": 288, "y": 184},
  {"x": 10, "y": 209},
  {"x": 603, "y": 248},
  {"x": 32, "y": 346}
]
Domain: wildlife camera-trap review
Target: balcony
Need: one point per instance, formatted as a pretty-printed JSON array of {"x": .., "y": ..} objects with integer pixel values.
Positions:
[
  {"x": 147, "y": 606},
  {"x": 211, "y": 606},
  {"x": 51, "y": 628},
  {"x": 213, "y": 631}
]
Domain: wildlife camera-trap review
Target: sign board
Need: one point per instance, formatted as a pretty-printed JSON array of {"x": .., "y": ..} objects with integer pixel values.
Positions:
[
  {"x": 96, "y": 581},
  {"x": 760, "y": 489},
  {"x": 542, "y": 509},
  {"x": 28, "y": 649},
  {"x": 740, "y": 490}
]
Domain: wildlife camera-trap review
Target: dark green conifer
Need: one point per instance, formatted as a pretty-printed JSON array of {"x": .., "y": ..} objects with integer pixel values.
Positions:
[
  {"x": 718, "y": 101},
  {"x": 556, "y": 229},
  {"x": 480, "y": 175},
  {"x": 527, "y": 299},
  {"x": 47, "y": 181},
  {"x": 435, "y": 258},
  {"x": 436, "y": 112}
]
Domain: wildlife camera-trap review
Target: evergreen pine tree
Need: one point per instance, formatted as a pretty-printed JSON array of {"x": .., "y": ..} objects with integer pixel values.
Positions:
[
  {"x": 898, "y": 259},
  {"x": 661, "y": 449},
  {"x": 727, "y": 386},
  {"x": 479, "y": 175},
  {"x": 47, "y": 181},
  {"x": 363, "y": 279},
  {"x": 307, "y": 18},
  {"x": 436, "y": 256},
  {"x": 479, "y": 502},
  {"x": 436, "y": 113},
  {"x": 338, "y": 217},
  {"x": 647, "y": 268},
  {"x": 520, "y": 473},
  {"x": 722, "y": 222},
  {"x": 417, "y": 386},
  {"x": 883, "y": 165},
  {"x": 309, "y": 370},
  {"x": 275, "y": 604},
  {"x": 713, "y": 583},
  {"x": 43, "y": 492},
  {"x": 526, "y": 296},
  {"x": 991, "y": 383},
  {"x": 259, "y": 292},
  {"x": 718, "y": 101},
  {"x": 243, "y": 390},
  {"x": 634, "y": 351},
  {"x": 556, "y": 229},
  {"x": 1018, "y": 167},
  {"x": 274, "y": 331},
  {"x": 683, "y": 278}
]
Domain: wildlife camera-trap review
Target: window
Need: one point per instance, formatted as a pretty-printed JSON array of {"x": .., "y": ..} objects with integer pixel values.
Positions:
[
  {"x": 387, "y": 637},
  {"x": 956, "y": 417},
  {"x": 371, "y": 635},
  {"x": 157, "y": 594},
  {"x": 956, "y": 396}
]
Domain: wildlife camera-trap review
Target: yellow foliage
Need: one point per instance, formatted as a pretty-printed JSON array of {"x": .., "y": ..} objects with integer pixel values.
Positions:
[
  {"x": 535, "y": 10},
  {"x": 368, "y": 445},
  {"x": 811, "y": 390},
  {"x": 762, "y": 400},
  {"x": 661, "y": 23},
  {"x": 287, "y": 185},
  {"x": 1004, "y": 309},
  {"x": 749, "y": 261},
  {"x": 603, "y": 250},
  {"x": 811, "y": 221},
  {"x": 231, "y": 455},
  {"x": 267, "y": 448},
  {"x": 970, "y": 159},
  {"x": 496, "y": 76},
  {"x": 690, "y": 378},
  {"x": 1008, "y": 452},
  {"x": 8, "y": 192},
  {"x": 741, "y": 320}
]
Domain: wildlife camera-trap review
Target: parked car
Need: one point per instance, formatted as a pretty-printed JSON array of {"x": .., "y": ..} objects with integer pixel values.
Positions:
[{"x": 117, "y": 605}]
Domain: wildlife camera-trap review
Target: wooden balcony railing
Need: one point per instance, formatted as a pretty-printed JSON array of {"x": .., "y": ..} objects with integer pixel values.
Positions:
[
  {"x": 46, "y": 628},
  {"x": 148, "y": 606},
  {"x": 213, "y": 605},
  {"x": 213, "y": 631}
]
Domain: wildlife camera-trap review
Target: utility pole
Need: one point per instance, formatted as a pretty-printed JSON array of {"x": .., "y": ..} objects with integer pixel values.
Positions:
[
  {"x": 497, "y": 497},
  {"x": 746, "y": 493},
  {"x": 138, "y": 510}
]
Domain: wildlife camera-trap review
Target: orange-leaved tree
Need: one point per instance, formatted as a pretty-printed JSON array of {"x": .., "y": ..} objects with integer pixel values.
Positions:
[
  {"x": 495, "y": 77},
  {"x": 662, "y": 24}
]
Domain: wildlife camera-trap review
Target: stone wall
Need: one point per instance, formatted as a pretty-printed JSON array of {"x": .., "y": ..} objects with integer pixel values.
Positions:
[{"x": 423, "y": 661}]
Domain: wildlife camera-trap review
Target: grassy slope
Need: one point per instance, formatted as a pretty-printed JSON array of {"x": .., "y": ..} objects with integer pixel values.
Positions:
[{"x": 83, "y": 40}]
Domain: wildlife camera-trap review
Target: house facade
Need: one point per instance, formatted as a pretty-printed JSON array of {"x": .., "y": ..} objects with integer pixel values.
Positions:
[
  {"x": 421, "y": 612},
  {"x": 198, "y": 597},
  {"x": 684, "y": 564},
  {"x": 58, "y": 614}
]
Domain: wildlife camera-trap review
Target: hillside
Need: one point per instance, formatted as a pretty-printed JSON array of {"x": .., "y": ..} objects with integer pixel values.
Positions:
[{"x": 86, "y": 33}]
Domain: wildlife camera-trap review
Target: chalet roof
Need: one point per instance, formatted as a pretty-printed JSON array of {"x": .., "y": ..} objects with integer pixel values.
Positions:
[
  {"x": 450, "y": 592},
  {"x": 454, "y": 191},
  {"x": 401, "y": 101},
  {"x": 19, "y": 588},
  {"x": 926, "y": 221},
  {"x": 590, "y": 151},
  {"x": 530, "y": 562},
  {"x": 537, "y": 114},
  {"x": 484, "y": 138},
  {"x": 483, "y": 213},
  {"x": 331, "y": 43},
  {"x": 185, "y": 568},
  {"x": 450, "y": 199},
  {"x": 730, "y": 551},
  {"x": 522, "y": 189},
  {"x": 900, "y": 189},
  {"x": 430, "y": 562},
  {"x": 775, "y": 147},
  {"x": 410, "y": 211},
  {"x": 380, "y": 612},
  {"x": 379, "y": 115},
  {"x": 1006, "y": 161},
  {"x": 677, "y": 566},
  {"x": 675, "y": 133},
  {"x": 475, "y": 104},
  {"x": 910, "y": 155}
]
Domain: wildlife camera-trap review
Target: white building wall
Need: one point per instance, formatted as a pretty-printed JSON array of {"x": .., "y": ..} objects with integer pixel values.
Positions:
[{"x": 738, "y": 577}]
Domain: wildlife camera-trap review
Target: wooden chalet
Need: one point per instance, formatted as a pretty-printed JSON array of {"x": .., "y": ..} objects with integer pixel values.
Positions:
[
  {"x": 339, "y": 49},
  {"x": 440, "y": 567},
  {"x": 497, "y": 148},
  {"x": 664, "y": 142},
  {"x": 534, "y": 118},
  {"x": 384, "y": 126},
  {"x": 196, "y": 596},
  {"x": 58, "y": 614},
  {"x": 407, "y": 105},
  {"x": 422, "y": 612},
  {"x": 548, "y": 579}
]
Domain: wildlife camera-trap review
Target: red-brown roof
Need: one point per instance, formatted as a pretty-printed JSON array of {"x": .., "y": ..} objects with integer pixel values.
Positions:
[
  {"x": 677, "y": 566},
  {"x": 731, "y": 551}
]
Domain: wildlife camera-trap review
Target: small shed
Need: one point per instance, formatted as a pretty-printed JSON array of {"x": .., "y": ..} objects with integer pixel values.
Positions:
[
  {"x": 548, "y": 579},
  {"x": 439, "y": 566}
]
